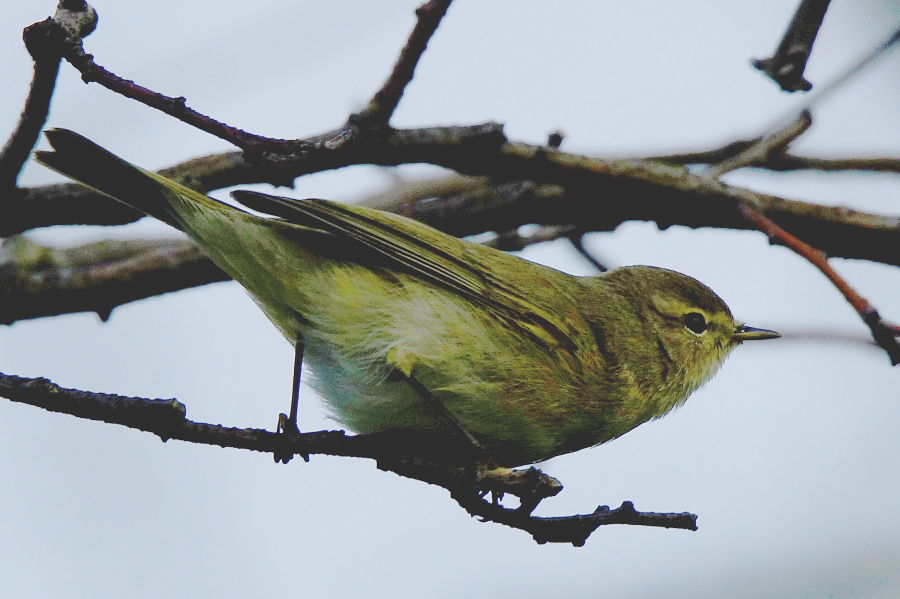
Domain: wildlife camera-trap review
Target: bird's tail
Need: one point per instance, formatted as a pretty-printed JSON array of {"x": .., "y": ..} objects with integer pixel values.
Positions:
[{"x": 84, "y": 161}]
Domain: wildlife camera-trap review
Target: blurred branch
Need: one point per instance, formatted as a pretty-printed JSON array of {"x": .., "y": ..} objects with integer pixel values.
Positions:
[
  {"x": 576, "y": 238},
  {"x": 40, "y": 281},
  {"x": 786, "y": 66},
  {"x": 466, "y": 484},
  {"x": 382, "y": 105},
  {"x": 562, "y": 188},
  {"x": 513, "y": 241},
  {"x": 73, "y": 204},
  {"x": 763, "y": 147},
  {"x": 782, "y": 161}
]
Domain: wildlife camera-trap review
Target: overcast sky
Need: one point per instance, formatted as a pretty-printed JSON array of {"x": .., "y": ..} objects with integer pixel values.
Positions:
[{"x": 789, "y": 456}]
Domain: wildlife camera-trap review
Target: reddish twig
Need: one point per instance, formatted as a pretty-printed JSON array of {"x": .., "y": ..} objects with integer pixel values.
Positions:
[
  {"x": 382, "y": 105},
  {"x": 786, "y": 66},
  {"x": 167, "y": 419},
  {"x": 884, "y": 334}
]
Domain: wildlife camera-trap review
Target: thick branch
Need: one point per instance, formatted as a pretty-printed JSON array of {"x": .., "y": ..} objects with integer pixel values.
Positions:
[
  {"x": 595, "y": 194},
  {"x": 167, "y": 419},
  {"x": 71, "y": 204},
  {"x": 39, "y": 281}
]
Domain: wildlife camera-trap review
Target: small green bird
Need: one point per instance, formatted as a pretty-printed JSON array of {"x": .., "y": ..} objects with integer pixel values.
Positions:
[{"x": 407, "y": 328}]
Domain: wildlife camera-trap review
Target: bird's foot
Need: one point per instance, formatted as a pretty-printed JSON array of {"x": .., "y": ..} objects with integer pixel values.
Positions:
[
  {"x": 287, "y": 426},
  {"x": 531, "y": 485}
]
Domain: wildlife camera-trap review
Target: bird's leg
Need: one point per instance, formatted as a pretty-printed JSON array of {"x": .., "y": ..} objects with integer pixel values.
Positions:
[
  {"x": 446, "y": 414},
  {"x": 287, "y": 423},
  {"x": 484, "y": 472}
]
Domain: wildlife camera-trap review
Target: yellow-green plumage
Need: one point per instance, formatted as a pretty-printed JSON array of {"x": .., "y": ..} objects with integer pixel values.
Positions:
[{"x": 531, "y": 361}]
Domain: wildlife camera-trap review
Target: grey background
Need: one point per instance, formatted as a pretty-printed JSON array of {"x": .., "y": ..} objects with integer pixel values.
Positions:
[{"x": 789, "y": 456}]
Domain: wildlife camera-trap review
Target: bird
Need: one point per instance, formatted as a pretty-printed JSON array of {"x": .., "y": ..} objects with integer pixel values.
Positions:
[{"x": 406, "y": 328}]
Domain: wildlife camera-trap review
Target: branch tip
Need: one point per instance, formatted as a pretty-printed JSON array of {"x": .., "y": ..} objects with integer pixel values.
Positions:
[{"x": 381, "y": 107}]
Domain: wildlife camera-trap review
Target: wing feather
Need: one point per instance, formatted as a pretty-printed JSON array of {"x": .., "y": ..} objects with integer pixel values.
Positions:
[{"x": 434, "y": 256}]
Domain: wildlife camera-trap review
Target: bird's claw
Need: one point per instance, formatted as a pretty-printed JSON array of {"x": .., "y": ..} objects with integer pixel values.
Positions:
[{"x": 286, "y": 426}]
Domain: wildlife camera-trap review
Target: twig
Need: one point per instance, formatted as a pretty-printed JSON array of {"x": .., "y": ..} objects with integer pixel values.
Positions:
[
  {"x": 789, "y": 61},
  {"x": 791, "y": 162},
  {"x": 838, "y": 81},
  {"x": 781, "y": 162},
  {"x": 576, "y": 238},
  {"x": 764, "y": 147},
  {"x": 513, "y": 241},
  {"x": 38, "y": 37},
  {"x": 884, "y": 334},
  {"x": 175, "y": 107},
  {"x": 167, "y": 419},
  {"x": 377, "y": 112},
  {"x": 382, "y": 105},
  {"x": 62, "y": 39}
]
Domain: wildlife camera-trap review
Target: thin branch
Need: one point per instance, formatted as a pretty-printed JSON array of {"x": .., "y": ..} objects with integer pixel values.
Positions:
[
  {"x": 781, "y": 162},
  {"x": 62, "y": 38},
  {"x": 839, "y": 80},
  {"x": 576, "y": 238},
  {"x": 39, "y": 281},
  {"x": 513, "y": 241},
  {"x": 789, "y": 61},
  {"x": 884, "y": 334},
  {"x": 764, "y": 147},
  {"x": 173, "y": 106},
  {"x": 167, "y": 419},
  {"x": 791, "y": 162},
  {"x": 382, "y": 105},
  {"x": 377, "y": 112},
  {"x": 38, "y": 38}
]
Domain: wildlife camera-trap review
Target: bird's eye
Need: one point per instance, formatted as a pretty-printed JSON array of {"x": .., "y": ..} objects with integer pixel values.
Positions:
[{"x": 695, "y": 323}]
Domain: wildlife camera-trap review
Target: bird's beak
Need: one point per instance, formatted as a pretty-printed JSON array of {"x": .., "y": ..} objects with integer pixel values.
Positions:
[{"x": 745, "y": 333}]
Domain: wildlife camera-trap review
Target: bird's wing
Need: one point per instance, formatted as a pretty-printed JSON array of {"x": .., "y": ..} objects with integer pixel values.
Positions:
[{"x": 434, "y": 256}]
